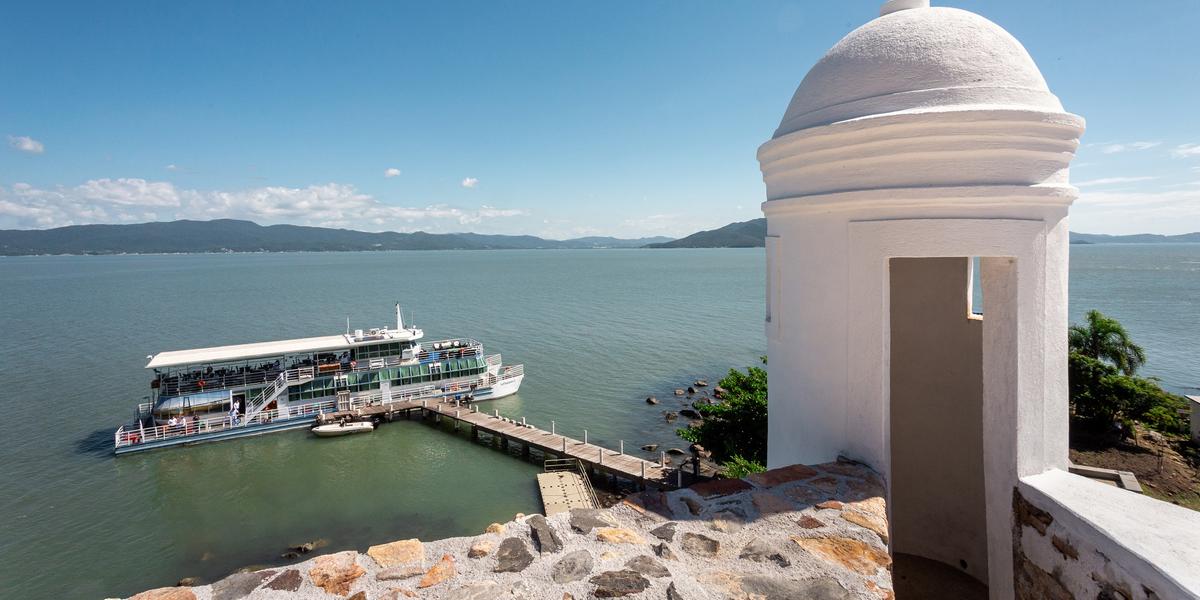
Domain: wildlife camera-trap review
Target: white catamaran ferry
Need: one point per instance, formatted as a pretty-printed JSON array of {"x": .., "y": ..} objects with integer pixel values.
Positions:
[{"x": 210, "y": 394}]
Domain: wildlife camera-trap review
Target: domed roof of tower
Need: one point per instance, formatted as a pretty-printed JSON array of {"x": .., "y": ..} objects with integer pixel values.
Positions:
[{"x": 915, "y": 58}]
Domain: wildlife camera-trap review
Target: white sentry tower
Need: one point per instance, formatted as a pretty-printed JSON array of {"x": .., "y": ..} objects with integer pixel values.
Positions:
[{"x": 921, "y": 141}]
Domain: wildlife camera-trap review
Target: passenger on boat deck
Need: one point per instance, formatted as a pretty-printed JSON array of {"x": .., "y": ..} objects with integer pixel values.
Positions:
[{"x": 173, "y": 422}]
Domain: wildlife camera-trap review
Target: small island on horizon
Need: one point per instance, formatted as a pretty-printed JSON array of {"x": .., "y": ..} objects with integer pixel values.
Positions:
[{"x": 237, "y": 236}]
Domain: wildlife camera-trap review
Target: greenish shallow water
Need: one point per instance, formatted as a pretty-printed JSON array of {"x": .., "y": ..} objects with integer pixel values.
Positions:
[{"x": 597, "y": 331}]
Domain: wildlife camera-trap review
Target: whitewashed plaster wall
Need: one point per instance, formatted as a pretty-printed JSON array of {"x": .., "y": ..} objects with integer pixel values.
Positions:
[{"x": 1092, "y": 540}]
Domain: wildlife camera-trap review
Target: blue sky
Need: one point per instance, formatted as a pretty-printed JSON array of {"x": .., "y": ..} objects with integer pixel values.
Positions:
[{"x": 557, "y": 119}]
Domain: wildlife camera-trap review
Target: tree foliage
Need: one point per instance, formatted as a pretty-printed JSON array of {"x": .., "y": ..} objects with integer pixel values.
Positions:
[
  {"x": 1103, "y": 338},
  {"x": 1103, "y": 390},
  {"x": 736, "y": 427}
]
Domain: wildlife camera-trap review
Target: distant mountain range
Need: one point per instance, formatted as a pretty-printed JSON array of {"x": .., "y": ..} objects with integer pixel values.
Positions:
[
  {"x": 229, "y": 235},
  {"x": 752, "y": 234},
  {"x": 747, "y": 234},
  {"x": 1137, "y": 238}
]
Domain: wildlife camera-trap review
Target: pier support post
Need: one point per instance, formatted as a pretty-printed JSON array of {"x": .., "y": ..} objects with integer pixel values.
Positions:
[
  {"x": 474, "y": 433},
  {"x": 522, "y": 421},
  {"x": 525, "y": 451},
  {"x": 497, "y": 413},
  {"x": 564, "y": 445},
  {"x": 622, "y": 452},
  {"x": 662, "y": 459},
  {"x": 552, "y": 428},
  {"x": 504, "y": 444},
  {"x": 424, "y": 403},
  {"x": 585, "y": 436},
  {"x": 643, "y": 469},
  {"x": 601, "y": 453}
]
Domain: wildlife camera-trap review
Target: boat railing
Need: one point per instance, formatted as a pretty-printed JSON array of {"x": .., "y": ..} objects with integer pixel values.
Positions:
[
  {"x": 199, "y": 382},
  {"x": 512, "y": 371},
  {"x": 493, "y": 360},
  {"x": 129, "y": 435}
]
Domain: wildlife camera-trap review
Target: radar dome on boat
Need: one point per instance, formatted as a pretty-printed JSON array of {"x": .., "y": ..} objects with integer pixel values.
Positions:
[{"x": 913, "y": 58}]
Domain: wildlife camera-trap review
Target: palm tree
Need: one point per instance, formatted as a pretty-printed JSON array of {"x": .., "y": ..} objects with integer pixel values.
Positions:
[{"x": 1103, "y": 338}]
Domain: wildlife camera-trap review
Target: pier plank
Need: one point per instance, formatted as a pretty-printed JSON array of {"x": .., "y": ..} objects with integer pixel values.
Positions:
[{"x": 593, "y": 456}]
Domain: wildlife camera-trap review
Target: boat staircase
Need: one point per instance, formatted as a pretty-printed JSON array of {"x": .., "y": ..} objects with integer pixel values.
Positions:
[{"x": 272, "y": 392}]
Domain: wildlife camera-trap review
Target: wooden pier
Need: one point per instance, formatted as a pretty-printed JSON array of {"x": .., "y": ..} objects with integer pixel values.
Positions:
[{"x": 596, "y": 459}]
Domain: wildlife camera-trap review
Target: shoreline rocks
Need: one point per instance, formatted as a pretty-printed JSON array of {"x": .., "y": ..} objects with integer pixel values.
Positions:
[{"x": 763, "y": 536}]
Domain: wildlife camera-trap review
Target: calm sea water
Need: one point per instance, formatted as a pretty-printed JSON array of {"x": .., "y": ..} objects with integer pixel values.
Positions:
[{"x": 597, "y": 330}]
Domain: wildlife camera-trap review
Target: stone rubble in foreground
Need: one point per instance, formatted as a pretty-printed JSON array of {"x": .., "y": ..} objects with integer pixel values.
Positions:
[{"x": 815, "y": 532}]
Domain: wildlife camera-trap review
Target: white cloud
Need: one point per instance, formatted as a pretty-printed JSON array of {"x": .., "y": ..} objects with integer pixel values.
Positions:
[
  {"x": 1186, "y": 150},
  {"x": 136, "y": 200},
  {"x": 172, "y": 167},
  {"x": 1111, "y": 181},
  {"x": 1114, "y": 148},
  {"x": 1168, "y": 211},
  {"x": 391, "y": 172},
  {"x": 25, "y": 143},
  {"x": 470, "y": 182}
]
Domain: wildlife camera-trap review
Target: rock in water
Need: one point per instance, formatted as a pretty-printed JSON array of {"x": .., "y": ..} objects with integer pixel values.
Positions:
[
  {"x": 513, "y": 556},
  {"x": 671, "y": 415},
  {"x": 675, "y": 451},
  {"x": 651, "y": 400},
  {"x": 650, "y": 447},
  {"x": 691, "y": 390},
  {"x": 689, "y": 413},
  {"x": 573, "y": 567},
  {"x": 543, "y": 535},
  {"x": 614, "y": 584},
  {"x": 701, "y": 383},
  {"x": 679, "y": 392}
]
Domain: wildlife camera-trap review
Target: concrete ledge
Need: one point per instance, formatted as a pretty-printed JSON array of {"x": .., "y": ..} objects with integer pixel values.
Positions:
[
  {"x": 1122, "y": 479},
  {"x": 1157, "y": 544}
]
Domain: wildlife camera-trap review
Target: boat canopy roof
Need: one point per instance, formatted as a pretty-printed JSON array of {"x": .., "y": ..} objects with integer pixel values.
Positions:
[{"x": 326, "y": 343}]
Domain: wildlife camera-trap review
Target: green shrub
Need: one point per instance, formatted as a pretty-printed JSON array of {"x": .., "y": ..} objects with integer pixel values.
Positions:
[
  {"x": 737, "y": 425},
  {"x": 738, "y": 467}
]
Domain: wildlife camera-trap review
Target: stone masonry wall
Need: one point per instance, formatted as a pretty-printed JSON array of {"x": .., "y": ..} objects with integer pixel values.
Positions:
[
  {"x": 1052, "y": 563},
  {"x": 817, "y": 532}
]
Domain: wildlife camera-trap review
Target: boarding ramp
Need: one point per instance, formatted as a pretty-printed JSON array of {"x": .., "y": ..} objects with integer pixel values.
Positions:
[{"x": 564, "y": 485}]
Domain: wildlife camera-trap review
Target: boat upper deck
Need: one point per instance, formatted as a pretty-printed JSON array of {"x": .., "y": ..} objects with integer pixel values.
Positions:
[{"x": 326, "y": 343}]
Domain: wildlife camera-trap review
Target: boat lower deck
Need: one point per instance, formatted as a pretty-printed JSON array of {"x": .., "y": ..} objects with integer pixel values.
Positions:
[{"x": 218, "y": 434}]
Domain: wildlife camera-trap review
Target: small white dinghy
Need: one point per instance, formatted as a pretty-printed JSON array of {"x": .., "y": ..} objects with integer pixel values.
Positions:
[{"x": 336, "y": 429}]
